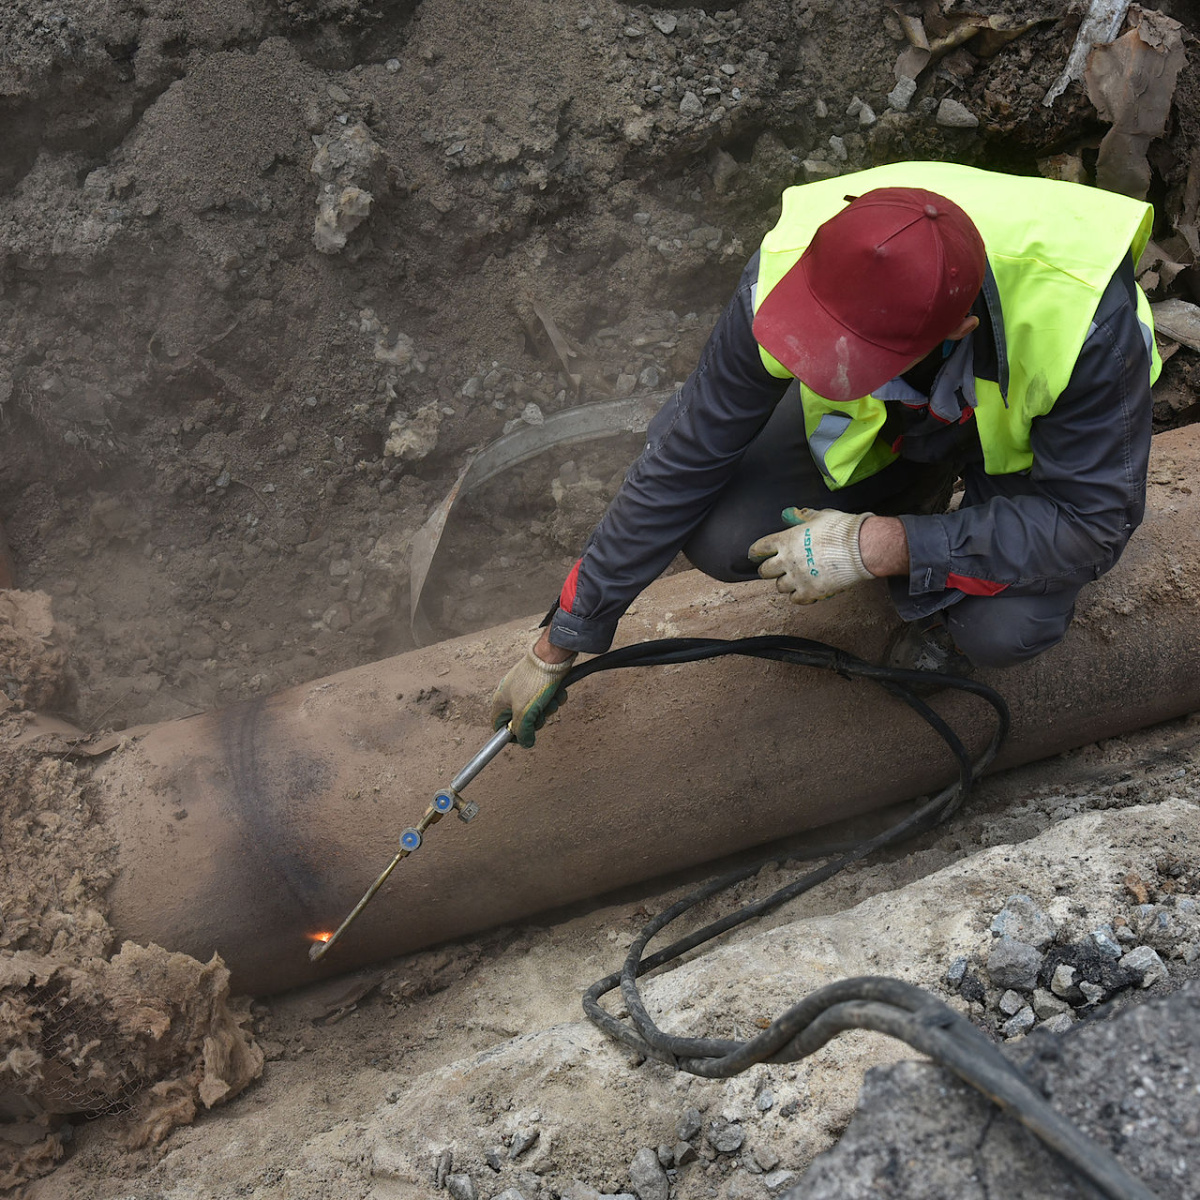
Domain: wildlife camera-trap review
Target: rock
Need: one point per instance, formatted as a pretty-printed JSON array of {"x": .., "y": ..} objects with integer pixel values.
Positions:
[
  {"x": 531, "y": 414},
  {"x": 578, "y": 1190},
  {"x": 901, "y": 95},
  {"x": 522, "y": 1141},
  {"x": 494, "y": 1157},
  {"x": 509, "y": 1194},
  {"x": 863, "y": 111},
  {"x": 685, "y": 1153},
  {"x": 838, "y": 146},
  {"x": 666, "y": 1156},
  {"x": 664, "y": 22},
  {"x": 1059, "y": 1023},
  {"x": 647, "y": 1176},
  {"x": 1106, "y": 942},
  {"x": 953, "y": 115},
  {"x": 1011, "y": 1003},
  {"x": 765, "y": 1100},
  {"x": 1013, "y": 964},
  {"x": 766, "y": 1158},
  {"x": 724, "y": 1136},
  {"x": 461, "y": 1187},
  {"x": 958, "y": 968},
  {"x": 1146, "y": 964},
  {"x": 689, "y": 1125},
  {"x": 776, "y": 1181},
  {"x": 1093, "y": 993},
  {"x": 1022, "y": 920},
  {"x": 1019, "y": 1024},
  {"x": 818, "y": 168},
  {"x": 1047, "y": 1004},
  {"x": 1062, "y": 983},
  {"x": 724, "y": 169},
  {"x": 691, "y": 105}
]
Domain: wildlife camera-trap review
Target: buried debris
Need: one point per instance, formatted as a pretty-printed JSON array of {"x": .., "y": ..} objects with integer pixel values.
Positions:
[
  {"x": 1132, "y": 84},
  {"x": 149, "y": 1035}
]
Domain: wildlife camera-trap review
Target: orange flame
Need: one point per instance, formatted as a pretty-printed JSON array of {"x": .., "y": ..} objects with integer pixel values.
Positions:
[{"x": 320, "y": 937}]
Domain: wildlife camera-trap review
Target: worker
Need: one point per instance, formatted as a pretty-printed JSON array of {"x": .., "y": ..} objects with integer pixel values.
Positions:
[{"x": 900, "y": 328}]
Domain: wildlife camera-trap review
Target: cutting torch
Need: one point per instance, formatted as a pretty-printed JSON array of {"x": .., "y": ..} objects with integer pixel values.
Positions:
[{"x": 448, "y": 800}]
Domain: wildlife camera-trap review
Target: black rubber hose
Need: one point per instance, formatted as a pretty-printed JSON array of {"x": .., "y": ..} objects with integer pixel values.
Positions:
[{"x": 887, "y": 1006}]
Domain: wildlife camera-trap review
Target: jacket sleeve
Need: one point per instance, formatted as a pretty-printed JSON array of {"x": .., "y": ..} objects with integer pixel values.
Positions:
[
  {"x": 692, "y": 448},
  {"x": 1066, "y": 520}
]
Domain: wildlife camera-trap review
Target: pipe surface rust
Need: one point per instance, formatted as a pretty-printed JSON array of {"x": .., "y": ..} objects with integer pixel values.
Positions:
[{"x": 294, "y": 803}]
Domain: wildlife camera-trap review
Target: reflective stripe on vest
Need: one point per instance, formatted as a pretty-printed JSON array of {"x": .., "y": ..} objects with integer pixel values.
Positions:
[{"x": 1052, "y": 248}]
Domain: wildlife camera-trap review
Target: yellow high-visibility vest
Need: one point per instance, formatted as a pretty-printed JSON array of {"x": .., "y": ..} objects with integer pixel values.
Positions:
[{"x": 1053, "y": 247}]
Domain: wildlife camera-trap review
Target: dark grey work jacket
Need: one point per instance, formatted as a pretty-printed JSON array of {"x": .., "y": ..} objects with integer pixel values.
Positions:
[{"x": 1063, "y": 522}]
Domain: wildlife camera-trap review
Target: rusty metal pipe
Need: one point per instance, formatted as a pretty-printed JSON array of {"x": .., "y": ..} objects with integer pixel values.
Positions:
[{"x": 247, "y": 830}]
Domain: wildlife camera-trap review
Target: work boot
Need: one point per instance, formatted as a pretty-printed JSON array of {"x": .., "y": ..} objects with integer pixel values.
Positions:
[{"x": 926, "y": 645}]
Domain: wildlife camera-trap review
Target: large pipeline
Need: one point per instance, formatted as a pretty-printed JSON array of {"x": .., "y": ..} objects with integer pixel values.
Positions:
[{"x": 247, "y": 830}]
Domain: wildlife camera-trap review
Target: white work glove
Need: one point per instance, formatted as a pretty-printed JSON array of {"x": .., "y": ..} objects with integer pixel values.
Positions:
[
  {"x": 527, "y": 695},
  {"x": 816, "y": 556}
]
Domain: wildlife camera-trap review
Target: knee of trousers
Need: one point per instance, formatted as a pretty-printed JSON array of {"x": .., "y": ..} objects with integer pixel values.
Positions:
[
  {"x": 719, "y": 550},
  {"x": 1005, "y": 631}
]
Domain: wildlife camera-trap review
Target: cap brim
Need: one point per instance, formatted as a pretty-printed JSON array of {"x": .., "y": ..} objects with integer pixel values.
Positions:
[{"x": 795, "y": 329}]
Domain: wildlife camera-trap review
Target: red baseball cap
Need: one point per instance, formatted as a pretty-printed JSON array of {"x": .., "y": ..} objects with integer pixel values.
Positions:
[{"x": 880, "y": 285}]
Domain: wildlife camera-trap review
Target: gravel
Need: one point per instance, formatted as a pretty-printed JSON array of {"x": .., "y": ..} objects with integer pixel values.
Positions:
[
  {"x": 647, "y": 1176},
  {"x": 1014, "y": 964},
  {"x": 461, "y": 1187},
  {"x": 931, "y": 1136},
  {"x": 954, "y": 115},
  {"x": 689, "y": 1125},
  {"x": 724, "y": 1136},
  {"x": 1019, "y": 1024},
  {"x": 1146, "y": 963}
]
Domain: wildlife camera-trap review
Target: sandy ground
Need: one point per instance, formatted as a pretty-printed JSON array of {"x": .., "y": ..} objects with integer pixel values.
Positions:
[{"x": 268, "y": 272}]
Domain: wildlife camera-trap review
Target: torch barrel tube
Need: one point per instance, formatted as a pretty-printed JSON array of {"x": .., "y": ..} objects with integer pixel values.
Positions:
[{"x": 500, "y": 739}]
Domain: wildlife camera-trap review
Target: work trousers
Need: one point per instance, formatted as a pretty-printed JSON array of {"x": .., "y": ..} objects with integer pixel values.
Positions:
[{"x": 777, "y": 471}]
